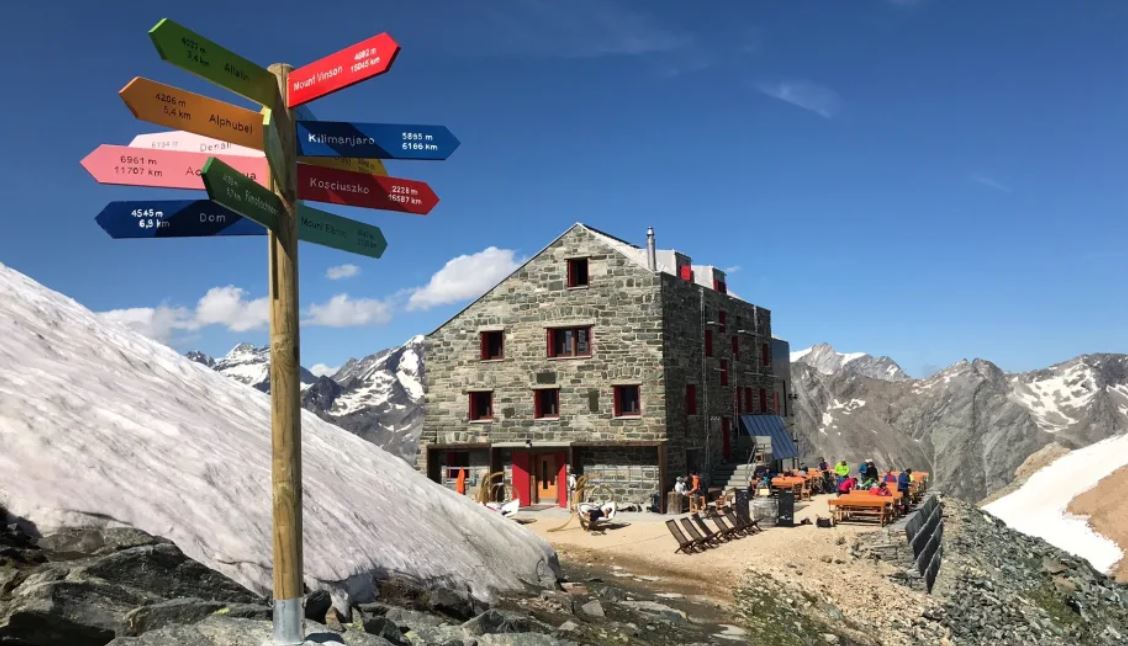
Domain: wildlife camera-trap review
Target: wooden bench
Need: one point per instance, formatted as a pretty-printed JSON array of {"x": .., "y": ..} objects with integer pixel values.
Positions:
[{"x": 862, "y": 507}]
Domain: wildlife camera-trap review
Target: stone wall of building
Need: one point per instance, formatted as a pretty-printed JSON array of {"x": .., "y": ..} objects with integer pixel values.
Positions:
[
  {"x": 627, "y": 474},
  {"x": 688, "y": 311},
  {"x": 622, "y": 305}
]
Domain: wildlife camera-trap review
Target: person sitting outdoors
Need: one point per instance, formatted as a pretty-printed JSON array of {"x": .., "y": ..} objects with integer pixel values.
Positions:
[
  {"x": 696, "y": 493},
  {"x": 847, "y": 485},
  {"x": 841, "y": 471},
  {"x": 871, "y": 471},
  {"x": 862, "y": 469},
  {"x": 881, "y": 489},
  {"x": 889, "y": 477},
  {"x": 823, "y": 466}
]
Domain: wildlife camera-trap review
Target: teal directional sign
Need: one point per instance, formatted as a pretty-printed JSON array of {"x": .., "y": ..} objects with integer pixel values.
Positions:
[{"x": 334, "y": 231}]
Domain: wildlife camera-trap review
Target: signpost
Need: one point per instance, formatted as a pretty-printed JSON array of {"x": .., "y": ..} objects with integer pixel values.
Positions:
[
  {"x": 161, "y": 168},
  {"x": 190, "y": 142},
  {"x": 371, "y": 191},
  {"x": 173, "y": 219},
  {"x": 340, "y": 233},
  {"x": 240, "y": 205},
  {"x": 374, "y": 140},
  {"x": 192, "y": 52},
  {"x": 341, "y": 69},
  {"x": 168, "y": 106}
]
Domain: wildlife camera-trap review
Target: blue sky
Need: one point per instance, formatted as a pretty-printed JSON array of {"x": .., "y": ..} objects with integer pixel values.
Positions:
[{"x": 929, "y": 180}]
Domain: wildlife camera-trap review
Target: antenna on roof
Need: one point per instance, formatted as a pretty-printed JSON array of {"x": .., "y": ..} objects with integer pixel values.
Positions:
[{"x": 651, "y": 254}]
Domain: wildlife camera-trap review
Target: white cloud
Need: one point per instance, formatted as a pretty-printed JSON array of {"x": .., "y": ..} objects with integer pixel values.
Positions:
[
  {"x": 322, "y": 370},
  {"x": 343, "y": 311},
  {"x": 154, "y": 322},
  {"x": 464, "y": 277},
  {"x": 984, "y": 180},
  {"x": 227, "y": 306},
  {"x": 342, "y": 271},
  {"x": 731, "y": 270},
  {"x": 813, "y": 97}
]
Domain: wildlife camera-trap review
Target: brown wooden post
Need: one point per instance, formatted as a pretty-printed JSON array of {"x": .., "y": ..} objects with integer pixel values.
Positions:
[{"x": 285, "y": 391}]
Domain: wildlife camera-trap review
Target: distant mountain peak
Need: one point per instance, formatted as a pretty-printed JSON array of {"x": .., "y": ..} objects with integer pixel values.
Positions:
[{"x": 824, "y": 358}]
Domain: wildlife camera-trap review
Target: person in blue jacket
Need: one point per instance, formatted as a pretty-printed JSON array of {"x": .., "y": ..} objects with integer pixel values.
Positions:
[{"x": 903, "y": 481}]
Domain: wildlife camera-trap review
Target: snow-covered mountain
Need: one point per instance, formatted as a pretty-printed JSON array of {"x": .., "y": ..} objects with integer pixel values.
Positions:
[
  {"x": 825, "y": 359},
  {"x": 99, "y": 425},
  {"x": 249, "y": 365},
  {"x": 379, "y": 397},
  {"x": 971, "y": 425},
  {"x": 1077, "y": 502}
]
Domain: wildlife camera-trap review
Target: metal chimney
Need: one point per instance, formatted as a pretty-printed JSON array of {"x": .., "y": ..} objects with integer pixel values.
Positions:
[{"x": 651, "y": 253}]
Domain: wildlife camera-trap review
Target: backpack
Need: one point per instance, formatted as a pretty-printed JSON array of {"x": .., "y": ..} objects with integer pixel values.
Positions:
[{"x": 824, "y": 522}]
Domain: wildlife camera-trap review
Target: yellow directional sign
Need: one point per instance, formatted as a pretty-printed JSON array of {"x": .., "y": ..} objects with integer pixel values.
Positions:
[
  {"x": 169, "y": 106},
  {"x": 369, "y": 166}
]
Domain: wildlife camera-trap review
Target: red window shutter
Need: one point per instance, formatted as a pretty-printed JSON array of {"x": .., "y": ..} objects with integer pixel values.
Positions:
[
  {"x": 721, "y": 319},
  {"x": 616, "y": 408},
  {"x": 735, "y": 347},
  {"x": 775, "y": 402},
  {"x": 548, "y": 344},
  {"x": 691, "y": 399},
  {"x": 763, "y": 401},
  {"x": 724, "y": 372},
  {"x": 571, "y": 273},
  {"x": 482, "y": 352},
  {"x": 708, "y": 343},
  {"x": 536, "y": 403},
  {"x": 470, "y": 409}
]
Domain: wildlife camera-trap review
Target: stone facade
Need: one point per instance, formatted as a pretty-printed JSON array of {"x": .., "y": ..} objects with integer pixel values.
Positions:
[{"x": 647, "y": 330}]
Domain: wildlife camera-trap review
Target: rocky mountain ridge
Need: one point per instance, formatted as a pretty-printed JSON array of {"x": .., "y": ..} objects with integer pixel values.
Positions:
[{"x": 970, "y": 425}]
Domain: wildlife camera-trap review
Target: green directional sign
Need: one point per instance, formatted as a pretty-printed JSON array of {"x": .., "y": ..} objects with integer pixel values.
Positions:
[
  {"x": 339, "y": 233},
  {"x": 188, "y": 50},
  {"x": 235, "y": 191}
]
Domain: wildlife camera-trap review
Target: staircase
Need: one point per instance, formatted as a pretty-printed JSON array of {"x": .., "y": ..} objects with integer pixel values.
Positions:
[{"x": 732, "y": 476}]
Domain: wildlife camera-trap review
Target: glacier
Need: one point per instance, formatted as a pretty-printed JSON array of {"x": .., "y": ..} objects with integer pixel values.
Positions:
[{"x": 100, "y": 425}]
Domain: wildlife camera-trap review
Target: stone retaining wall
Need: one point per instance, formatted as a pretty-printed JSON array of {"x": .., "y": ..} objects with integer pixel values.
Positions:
[{"x": 913, "y": 543}]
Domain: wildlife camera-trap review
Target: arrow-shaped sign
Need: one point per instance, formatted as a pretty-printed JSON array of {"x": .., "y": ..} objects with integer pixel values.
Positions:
[
  {"x": 374, "y": 140},
  {"x": 368, "y": 166},
  {"x": 315, "y": 225},
  {"x": 339, "y": 70},
  {"x": 173, "y": 219},
  {"x": 168, "y": 106},
  {"x": 190, "y": 51},
  {"x": 228, "y": 188},
  {"x": 358, "y": 189},
  {"x": 179, "y": 140},
  {"x": 161, "y": 168}
]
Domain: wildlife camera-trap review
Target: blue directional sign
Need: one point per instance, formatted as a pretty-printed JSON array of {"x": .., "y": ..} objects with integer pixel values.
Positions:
[
  {"x": 374, "y": 140},
  {"x": 174, "y": 219}
]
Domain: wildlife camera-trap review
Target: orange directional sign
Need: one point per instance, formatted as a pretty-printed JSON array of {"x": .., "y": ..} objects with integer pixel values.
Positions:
[
  {"x": 169, "y": 106},
  {"x": 162, "y": 168}
]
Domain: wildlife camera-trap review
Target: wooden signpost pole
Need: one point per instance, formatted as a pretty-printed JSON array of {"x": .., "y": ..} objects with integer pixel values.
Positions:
[{"x": 285, "y": 393}]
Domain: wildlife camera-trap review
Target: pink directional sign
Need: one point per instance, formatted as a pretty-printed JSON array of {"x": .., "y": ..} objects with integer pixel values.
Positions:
[
  {"x": 191, "y": 142},
  {"x": 163, "y": 168}
]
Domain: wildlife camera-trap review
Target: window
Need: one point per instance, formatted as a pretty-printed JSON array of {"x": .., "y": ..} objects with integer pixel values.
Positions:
[
  {"x": 724, "y": 372},
  {"x": 546, "y": 403},
  {"x": 493, "y": 345},
  {"x": 765, "y": 354},
  {"x": 719, "y": 286},
  {"x": 708, "y": 343},
  {"x": 722, "y": 318},
  {"x": 627, "y": 401},
  {"x": 763, "y": 401},
  {"x": 481, "y": 405},
  {"x": 747, "y": 399},
  {"x": 691, "y": 399},
  {"x": 569, "y": 342},
  {"x": 577, "y": 272},
  {"x": 735, "y": 347}
]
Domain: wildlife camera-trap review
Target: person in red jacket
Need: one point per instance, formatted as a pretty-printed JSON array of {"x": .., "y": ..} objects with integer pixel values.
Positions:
[
  {"x": 881, "y": 489},
  {"x": 847, "y": 485}
]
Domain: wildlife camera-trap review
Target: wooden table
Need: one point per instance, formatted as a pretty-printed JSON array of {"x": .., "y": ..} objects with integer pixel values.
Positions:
[
  {"x": 798, "y": 485},
  {"x": 863, "y": 506}
]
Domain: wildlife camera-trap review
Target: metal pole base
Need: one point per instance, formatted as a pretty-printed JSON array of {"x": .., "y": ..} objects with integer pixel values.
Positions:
[{"x": 288, "y": 629}]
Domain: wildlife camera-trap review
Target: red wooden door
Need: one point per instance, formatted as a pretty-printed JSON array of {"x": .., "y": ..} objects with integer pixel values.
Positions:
[{"x": 521, "y": 477}]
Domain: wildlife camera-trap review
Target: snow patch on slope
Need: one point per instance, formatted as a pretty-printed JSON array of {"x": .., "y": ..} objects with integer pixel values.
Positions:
[
  {"x": 99, "y": 423},
  {"x": 1054, "y": 400},
  {"x": 1038, "y": 507}
]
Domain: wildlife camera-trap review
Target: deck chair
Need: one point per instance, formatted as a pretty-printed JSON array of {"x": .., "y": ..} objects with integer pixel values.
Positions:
[
  {"x": 685, "y": 545},
  {"x": 727, "y": 529},
  {"x": 709, "y": 534},
  {"x": 691, "y": 530},
  {"x": 744, "y": 522}
]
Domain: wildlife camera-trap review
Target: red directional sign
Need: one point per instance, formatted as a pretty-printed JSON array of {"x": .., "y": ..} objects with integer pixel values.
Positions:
[
  {"x": 163, "y": 168},
  {"x": 360, "y": 189},
  {"x": 351, "y": 65}
]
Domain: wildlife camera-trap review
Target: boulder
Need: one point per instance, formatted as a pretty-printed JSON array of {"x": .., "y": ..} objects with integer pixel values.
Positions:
[
  {"x": 386, "y": 628},
  {"x": 317, "y": 603},
  {"x": 175, "y": 611},
  {"x": 503, "y": 621}
]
